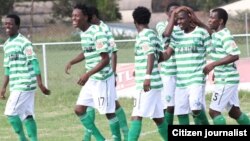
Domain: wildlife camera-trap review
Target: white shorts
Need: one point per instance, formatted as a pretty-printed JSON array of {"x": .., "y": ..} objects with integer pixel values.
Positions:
[
  {"x": 224, "y": 97},
  {"x": 21, "y": 104},
  {"x": 189, "y": 98},
  {"x": 148, "y": 104},
  {"x": 169, "y": 83},
  {"x": 99, "y": 94}
]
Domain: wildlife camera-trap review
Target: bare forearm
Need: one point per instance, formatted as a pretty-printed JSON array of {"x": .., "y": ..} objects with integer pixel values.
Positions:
[
  {"x": 150, "y": 63},
  {"x": 104, "y": 62},
  {"x": 169, "y": 28},
  {"x": 5, "y": 81},
  {"x": 114, "y": 61},
  {"x": 167, "y": 53},
  {"x": 77, "y": 59},
  {"x": 226, "y": 60}
]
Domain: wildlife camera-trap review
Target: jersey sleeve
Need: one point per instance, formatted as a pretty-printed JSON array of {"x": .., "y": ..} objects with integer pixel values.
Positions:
[
  {"x": 230, "y": 46},
  {"x": 28, "y": 51},
  {"x": 146, "y": 46},
  {"x": 101, "y": 41},
  {"x": 6, "y": 61},
  {"x": 113, "y": 44}
]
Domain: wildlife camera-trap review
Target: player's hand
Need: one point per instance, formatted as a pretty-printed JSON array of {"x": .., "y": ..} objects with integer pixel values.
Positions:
[
  {"x": 83, "y": 79},
  {"x": 67, "y": 68},
  {"x": 2, "y": 94},
  {"x": 146, "y": 85},
  {"x": 44, "y": 90},
  {"x": 208, "y": 68}
]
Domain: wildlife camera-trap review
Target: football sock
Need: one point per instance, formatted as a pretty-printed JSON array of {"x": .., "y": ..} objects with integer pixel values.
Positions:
[
  {"x": 183, "y": 119},
  {"x": 87, "y": 133},
  {"x": 243, "y": 119},
  {"x": 135, "y": 130},
  {"x": 169, "y": 117},
  {"x": 115, "y": 129},
  {"x": 89, "y": 124},
  {"x": 31, "y": 128},
  {"x": 219, "y": 120},
  {"x": 163, "y": 130},
  {"x": 201, "y": 118},
  {"x": 16, "y": 123},
  {"x": 123, "y": 122}
]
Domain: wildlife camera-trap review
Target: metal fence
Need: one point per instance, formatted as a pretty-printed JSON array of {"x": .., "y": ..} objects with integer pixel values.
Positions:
[{"x": 54, "y": 56}]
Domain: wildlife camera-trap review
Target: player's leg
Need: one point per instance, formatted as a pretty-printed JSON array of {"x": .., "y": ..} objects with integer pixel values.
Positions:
[
  {"x": 219, "y": 101},
  {"x": 182, "y": 109},
  {"x": 135, "y": 128},
  {"x": 162, "y": 127},
  {"x": 105, "y": 103},
  {"x": 168, "y": 91},
  {"x": 17, "y": 125},
  {"x": 239, "y": 116},
  {"x": 85, "y": 100},
  {"x": 122, "y": 120},
  {"x": 198, "y": 104},
  {"x": 234, "y": 105},
  {"x": 87, "y": 133},
  {"x": 158, "y": 116},
  {"x": 31, "y": 128},
  {"x": 114, "y": 126},
  {"x": 15, "y": 106},
  {"x": 29, "y": 120}
]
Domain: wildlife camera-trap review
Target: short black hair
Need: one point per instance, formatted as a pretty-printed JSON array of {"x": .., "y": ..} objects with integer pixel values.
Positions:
[
  {"x": 16, "y": 18},
  {"x": 222, "y": 14},
  {"x": 141, "y": 15},
  {"x": 82, "y": 7},
  {"x": 172, "y": 4},
  {"x": 92, "y": 10}
]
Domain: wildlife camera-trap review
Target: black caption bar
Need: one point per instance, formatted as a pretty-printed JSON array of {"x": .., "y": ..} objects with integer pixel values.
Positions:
[{"x": 208, "y": 132}]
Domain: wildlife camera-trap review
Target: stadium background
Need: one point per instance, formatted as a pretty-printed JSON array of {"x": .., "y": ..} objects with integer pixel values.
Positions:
[{"x": 55, "y": 117}]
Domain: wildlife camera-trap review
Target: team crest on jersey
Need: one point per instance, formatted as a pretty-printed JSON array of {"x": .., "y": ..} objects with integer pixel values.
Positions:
[
  {"x": 233, "y": 44},
  {"x": 99, "y": 44},
  {"x": 28, "y": 51},
  {"x": 145, "y": 47}
]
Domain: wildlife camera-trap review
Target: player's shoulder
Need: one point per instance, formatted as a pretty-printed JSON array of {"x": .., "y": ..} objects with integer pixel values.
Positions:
[
  {"x": 161, "y": 23},
  {"x": 223, "y": 34},
  {"x": 201, "y": 30},
  {"x": 22, "y": 39}
]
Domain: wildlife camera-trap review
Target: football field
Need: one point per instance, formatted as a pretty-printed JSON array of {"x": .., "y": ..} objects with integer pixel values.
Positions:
[{"x": 55, "y": 116}]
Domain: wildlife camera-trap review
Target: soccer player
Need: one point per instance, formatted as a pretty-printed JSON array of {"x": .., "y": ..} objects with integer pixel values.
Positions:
[
  {"x": 147, "y": 76},
  {"x": 168, "y": 68},
  {"x": 22, "y": 72},
  {"x": 98, "y": 81},
  {"x": 93, "y": 14},
  {"x": 224, "y": 53},
  {"x": 189, "y": 47}
]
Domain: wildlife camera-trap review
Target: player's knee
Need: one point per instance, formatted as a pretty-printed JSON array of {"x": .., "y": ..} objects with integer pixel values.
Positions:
[
  {"x": 234, "y": 112},
  {"x": 79, "y": 110}
]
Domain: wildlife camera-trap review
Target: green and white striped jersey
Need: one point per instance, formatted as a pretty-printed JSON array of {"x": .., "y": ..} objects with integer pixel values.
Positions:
[
  {"x": 168, "y": 68},
  {"x": 147, "y": 43},
  {"x": 110, "y": 36},
  {"x": 190, "y": 54},
  {"x": 93, "y": 42},
  {"x": 224, "y": 45},
  {"x": 18, "y": 53}
]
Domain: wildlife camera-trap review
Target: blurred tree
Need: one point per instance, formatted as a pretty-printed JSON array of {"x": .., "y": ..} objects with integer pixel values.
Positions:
[
  {"x": 109, "y": 10},
  {"x": 6, "y": 7}
]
